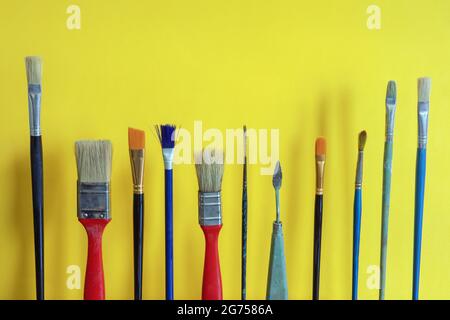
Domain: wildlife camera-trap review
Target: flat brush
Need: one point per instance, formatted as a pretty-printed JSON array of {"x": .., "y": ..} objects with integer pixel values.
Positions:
[
  {"x": 34, "y": 79},
  {"x": 318, "y": 212},
  {"x": 94, "y": 176},
  {"x": 357, "y": 208},
  {"x": 209, "y": 176},
  {"x": 277, "y": 278},
  {"x": 136, "y": 143},
  {"x": 166, "y": 135},
  {"x": 424, "y": 87},
  {"x": 391, "y": 102},
  {"x": 244, "y": 222}
]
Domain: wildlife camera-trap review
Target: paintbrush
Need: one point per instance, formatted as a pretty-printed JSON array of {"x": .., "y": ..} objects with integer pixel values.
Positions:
[
  {"x": 357, "y": 208},
  {"x": 209, "y": 176},
  {"x": 318, "y": 212},
  {"x": 136, "y": 143},
  {"x": 277, "y": 279},
  {"x": 244, "y": 222},
  {"x": 166, "y": 135},
  {"x": 424, "y": 87},
  {"x": 391, "y": 100},
  {"x": 94, "y": 175},
  {"x": 34, "y": 79}
]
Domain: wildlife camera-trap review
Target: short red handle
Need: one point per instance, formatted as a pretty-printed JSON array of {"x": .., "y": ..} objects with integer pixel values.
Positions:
[
  {"x": 212, "y": 280},
  {"x": 94, "y": 283}
]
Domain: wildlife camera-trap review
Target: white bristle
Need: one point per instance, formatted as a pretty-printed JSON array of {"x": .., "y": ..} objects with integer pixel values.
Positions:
[
  {"x": 210, "y": 172},
  {"x": 93, "y": 160},
  {"x": 34, "y": 70},
  {"x": 424, "y": 88}
]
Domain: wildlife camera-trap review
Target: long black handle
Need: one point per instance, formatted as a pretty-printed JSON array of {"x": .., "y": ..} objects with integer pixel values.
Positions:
[
  {"x": 138, "y": 234},
  {"x": 318, "y": 207},
  {"x": 37, "y": 180},
  {"x": 244, "y": 236}
]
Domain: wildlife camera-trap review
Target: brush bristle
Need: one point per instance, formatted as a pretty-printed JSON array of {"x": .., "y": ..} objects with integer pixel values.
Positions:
[
  {"x": 166, "y": 135},
  {"x": 391, "y": 92},
  {"x": 34, "y": 70},
  {"x": 277, "y": 176},
  {"x": 210, "y": 171},
  {"x": 424, "y": 88},
  {"x": 136, "y": 139},
  {"x": 321, "y": 146},
  {"x": 362, "y": 140},
  {"x": 93, "y": 160}
]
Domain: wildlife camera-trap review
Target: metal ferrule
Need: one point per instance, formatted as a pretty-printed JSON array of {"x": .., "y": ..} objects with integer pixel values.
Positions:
[
  {"x": 137, "y": 170},
  {"x": 390, "y": 116},
  {"x": 168, "y": 158},
  {"x": 320, "y": 167},
  {"x": 93, "y": 201},
  {"x": 34, "y": 109},
  {"x": 359, "y": 170},
  {"x": 423, "y": 108},
  {"x": 209, "y": 208}
]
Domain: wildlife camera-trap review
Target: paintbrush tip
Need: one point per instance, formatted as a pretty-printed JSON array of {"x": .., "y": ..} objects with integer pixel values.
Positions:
[
  {"x": 94, "y": 159},
  {"x": 33, "y": 65},
  {"x": 424, "y": 88},
  {"x": 166, "y": 135},
  {"x": 277, "y": 176},
  {"x": 210, "y": 170},
  {"x": 136, "y": 139},
  {"x": 362, "y": 140},
  {"x": 321, "y": 146},
  {"x": 391, "y": 92}
]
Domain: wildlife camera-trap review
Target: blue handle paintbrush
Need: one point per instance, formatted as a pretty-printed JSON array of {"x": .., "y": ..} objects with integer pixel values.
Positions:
[
  {"x": 357, "y": 208},
  {"x": 391, "y": 103},
  {"x": 424, "y": 86},
  {"x": 166, "y": 135}
]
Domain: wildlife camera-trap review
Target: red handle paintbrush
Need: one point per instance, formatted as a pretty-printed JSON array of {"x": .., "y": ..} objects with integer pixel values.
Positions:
[
  {"x": 94, "y": 175},
  {"x": 209, "y": 175}
]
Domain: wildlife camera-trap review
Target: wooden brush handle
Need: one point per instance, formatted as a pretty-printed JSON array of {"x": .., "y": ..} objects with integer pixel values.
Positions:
[
  {"x": 357, "y": 208},
  {"x": 168, "y": 185},
  {"x": 387, "y": 174},
  {"x": 212, "y": 280},
  {"x": 138, "y": 235},
  {"x": 38, "y": 211},
  {"x": 94, "y": 284},
  {"x": 317, "y": 244},
  {"x": 418, "y": 218}
]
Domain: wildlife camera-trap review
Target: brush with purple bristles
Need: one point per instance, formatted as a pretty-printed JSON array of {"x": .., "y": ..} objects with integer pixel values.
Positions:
[{"x": 166, "y": 135}]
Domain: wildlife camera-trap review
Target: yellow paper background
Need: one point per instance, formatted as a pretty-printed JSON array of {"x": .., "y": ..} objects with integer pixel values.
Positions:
[{"x": 307, "y": 68}]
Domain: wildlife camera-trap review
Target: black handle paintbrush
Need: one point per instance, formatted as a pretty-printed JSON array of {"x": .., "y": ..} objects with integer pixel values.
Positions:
[
  {"x": 318, "y": 211},
  {"x": 136, "y": 142},
  {"x": 244, "y": 222},
  {"x": 34, "y": 77}
]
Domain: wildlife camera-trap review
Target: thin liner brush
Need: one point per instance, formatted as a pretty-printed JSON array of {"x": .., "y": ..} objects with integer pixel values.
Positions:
[
  {"x": 93, "y": 185},
  {"x": 136, "y": 143},
  {"x": 34, "y": 79},
  {"x": 318, "y": 212},
  {"x": 166, "y": 135},
  {"x": 391, "y": 102},
  {"x": 357, "y": 208},
  {"x": 277, "y": 288},
  {"x": 244, "y": 222},
  {"x": 209, "y": 175},
  {"x": 424, "y": 87}
]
